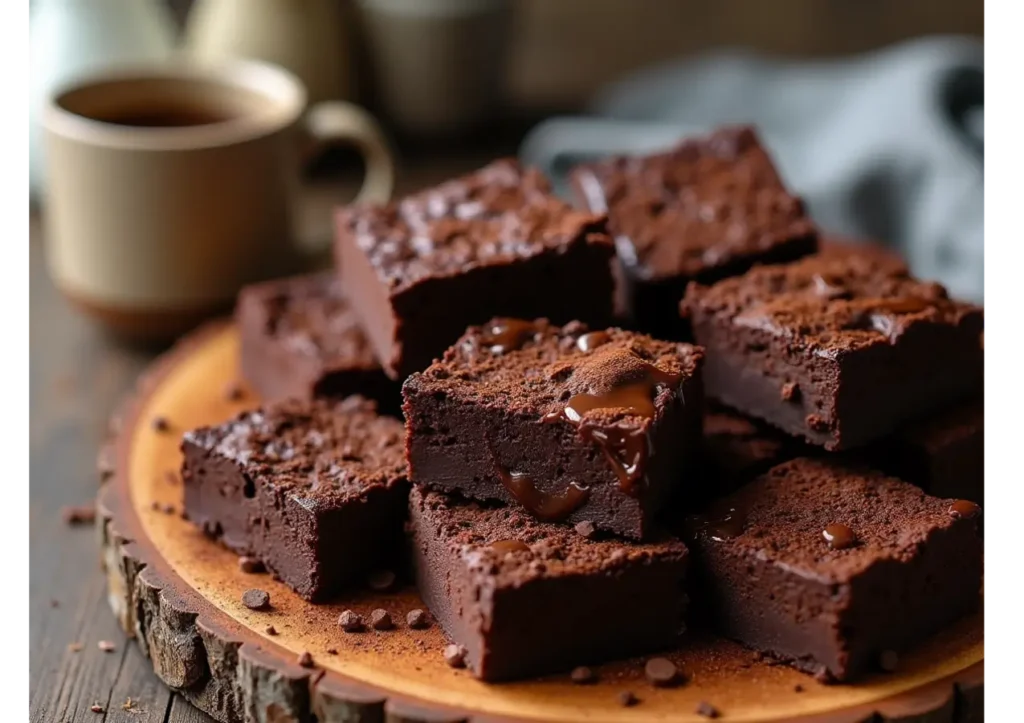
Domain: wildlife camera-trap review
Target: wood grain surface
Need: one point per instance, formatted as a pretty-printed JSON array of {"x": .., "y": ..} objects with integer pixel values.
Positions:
[{"x": 180, "y": 595}]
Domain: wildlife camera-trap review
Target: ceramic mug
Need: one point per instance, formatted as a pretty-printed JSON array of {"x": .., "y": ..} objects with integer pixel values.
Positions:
[{"x": 170, "y": 186}]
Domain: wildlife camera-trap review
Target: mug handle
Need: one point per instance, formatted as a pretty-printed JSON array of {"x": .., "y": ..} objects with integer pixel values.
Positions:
[{"x": 337, "y": 121}]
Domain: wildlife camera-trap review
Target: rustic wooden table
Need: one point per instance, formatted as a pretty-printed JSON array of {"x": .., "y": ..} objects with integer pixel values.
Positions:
[{"x": 78, "y": 375}]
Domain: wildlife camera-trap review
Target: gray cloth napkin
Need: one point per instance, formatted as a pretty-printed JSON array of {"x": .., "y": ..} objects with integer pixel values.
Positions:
[{"x": 887, "y": 146}]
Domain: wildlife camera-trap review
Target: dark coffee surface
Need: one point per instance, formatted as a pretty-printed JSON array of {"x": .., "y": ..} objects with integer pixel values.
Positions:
[{"x": 164, "y": 117}]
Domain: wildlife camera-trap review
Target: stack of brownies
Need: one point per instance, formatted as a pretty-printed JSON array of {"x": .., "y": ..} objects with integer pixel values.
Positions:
[{"x": 561, "y": 486}]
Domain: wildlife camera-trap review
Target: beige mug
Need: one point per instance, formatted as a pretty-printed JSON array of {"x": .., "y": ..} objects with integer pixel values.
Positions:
[{"x": 171, "y": 186}]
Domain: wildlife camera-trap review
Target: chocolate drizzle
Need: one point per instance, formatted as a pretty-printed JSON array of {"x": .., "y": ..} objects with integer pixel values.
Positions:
[
  {"x": 839, "y": 536},
  {"x": 545, "y": 506},
  {"x": 722, "y": 522},
  {"x": 504, "y": 335},
  {"x": 964, "y": 508},
  {"x": 592, "y": 340},
  {"x": 626, "y": 447}
]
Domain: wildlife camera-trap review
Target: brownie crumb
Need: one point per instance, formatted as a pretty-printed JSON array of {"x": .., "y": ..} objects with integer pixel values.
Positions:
[
  {"x": 305, "y": 659},
  {"x": 350, "y": 621},
  {"x": 455, "y": 656},
  {"x": 271, "y": 630},
  {"x": 251, "y": 565},
  {"x": 234, "y": 392},
  {"x": 161, "y": 424},
  {"x": 381, "y": 620},
  {"x": 798, "y": 688},
  {"x": 381, "y": 580},
  {"x": 627, "y": 699},
  {"x": 106, "y": 646},
  {"x": 168, "y": 509},
  {"x": 661, "y": 672},
  {"x": 97, "y": 708},
  {"x": 790, "y": 392},
  {"x": 256, "y": 599},
  {"x": 707, "y": 710},
  {"x": 888, "y": 661},
  {"x": 332, "y": 651},
  {"x": 583, "y": 675},
  {"x": 79, "y": 515},
  {"x": 586, "y": 529},
  {"x": 417, "y": 619}
]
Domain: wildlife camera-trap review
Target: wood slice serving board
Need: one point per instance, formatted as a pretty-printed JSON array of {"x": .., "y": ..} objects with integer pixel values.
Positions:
[{"x": 179, "y": 595}]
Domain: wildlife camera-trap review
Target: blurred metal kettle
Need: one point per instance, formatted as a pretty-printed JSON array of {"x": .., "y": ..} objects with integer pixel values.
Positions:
[{"x": 308, "y": 37}]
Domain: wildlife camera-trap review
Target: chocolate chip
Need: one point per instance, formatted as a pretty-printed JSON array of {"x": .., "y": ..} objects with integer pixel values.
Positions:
[
  {"x": 661, "y": 672},
  {"x": 381, "y": 580},
  {"x": 888, "y": 660},
  {"x": 233, "y": 392},
  {"x": 582, "y": 675},
  {"x": 96, "y": 708},
  {"x": 305, "y": 659},
  {"x": 627, "y": 699},
  {"x": 106, "y": 646},
  {"x": 417, "y": 619},
  {"x": 160, "y": 424},
  {"x": 455, "y": 656},
  {"x": 381, "y": 620},
  {"x": 78, "y": 515},
  {"x": 350, "y": 621},
  {"x": 790, "y": 392},
  {"x": 251, "y": 564},
  {"x": 707, "y": 710},
  {"x": 585, "y": 529},
  {"x": 271, "y": 630},
  {"x": 256, "y": 599}
]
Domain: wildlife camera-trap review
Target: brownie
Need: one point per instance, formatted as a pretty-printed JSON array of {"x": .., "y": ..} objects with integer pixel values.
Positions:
[
  {"x": 844, "y": 247},
  {"x": 838, "y": 350},
  {"x": 570, "y": 424},
  {"x": 707, "y": 209},
  {"x": 301, "y": 339},
  {"x": 316, "y": 490},
  {"x": 493, "y": 243},
  {"x": 737, "y": 448},
  {"x": 525, "y": 598},
  {"x": 944, "y": 454},
  {"x": 831, "y": 568}
]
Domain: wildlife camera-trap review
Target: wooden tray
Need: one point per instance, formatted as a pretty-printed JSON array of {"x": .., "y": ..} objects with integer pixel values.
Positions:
[{"x": 179, "y": 595}]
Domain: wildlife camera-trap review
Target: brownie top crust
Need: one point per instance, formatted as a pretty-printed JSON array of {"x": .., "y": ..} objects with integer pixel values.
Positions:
[
  {"x": 498, "y": 214},
  {"x": 831, "y": 304},
  {"x": 322, "y": 452},
  {"x": 843, "y": 247},
  {"x": 536, "y": 368},
  {"x": 310, "y": 316},
  {"x": 706, "y": 203},
  {"x": 508, "y": 546},
  {"x": 788, "y": 515}
]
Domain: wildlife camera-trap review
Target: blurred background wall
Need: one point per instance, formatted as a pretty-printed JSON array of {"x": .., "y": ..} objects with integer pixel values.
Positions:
[{"x": 563, "y": 50}]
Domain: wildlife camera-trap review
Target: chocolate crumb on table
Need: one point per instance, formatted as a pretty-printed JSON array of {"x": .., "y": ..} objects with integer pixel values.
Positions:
[
  {"x": 627, "y": 699},
  {"x": 350, "y": 621},
  {"x": 573, "y": 425},
  {"x": 582, "y": 675},
  {"x": 417, "y": 619},
  {"x": 769, "y": 578},
  {"x": 381, "y": 620},
  {"x": 79, "y": 515},
  {"x": 305, "y": 659},
  {"x": 871, "y": 348},
  {"x": 495, "y": 242},
  {"x": 510, "y": 614},
  {"x": 661, "y": 672},
  {"x": 314, "y": 489},
  {"x": 707, "y": 710},
  {"x": 256, "y": 599},
  {"x": 301, "y": 339},
  {"x": 106, "y": 646},
  {"x": 707, "y": 209},
  {"x": 455, "y": 656}
]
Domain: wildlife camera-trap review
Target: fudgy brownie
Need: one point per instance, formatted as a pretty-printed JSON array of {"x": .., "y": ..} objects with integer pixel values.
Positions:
[
  {"x": 831, "y": 567},
  {"x": 839, "y": 350},
  {"x": 316, "y": 490},
  {"x": 300, "y": 339},
  {"x": 737, "y": 448},
  {"x": 709, "y": 208},
  {"x": 574, "y": 425},
  {"x": 493, "y": 243},
  {"x": 527, "y": 598}
]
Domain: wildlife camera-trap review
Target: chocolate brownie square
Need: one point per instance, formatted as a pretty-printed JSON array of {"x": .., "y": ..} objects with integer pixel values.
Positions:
[
  {"x": 709, "y": 208},
  {"x": 315, "y": 489},
  {"x": 300, "y": 339},
  {"x": 737, "y": 448},
  {"x": 839, "y": 350},
  {"x": 493, "y": 243},
  {"x": 574, "y": 425},
  {"x": 831, "y": 568},
  {"x": 525, "y": 598}
]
